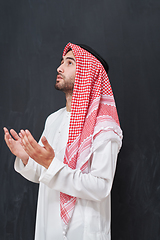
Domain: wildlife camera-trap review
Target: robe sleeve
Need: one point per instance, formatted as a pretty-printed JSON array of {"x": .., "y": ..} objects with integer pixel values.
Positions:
[
  {"x": 95, "y": 185},
  {"x": 31, "y": 171}
]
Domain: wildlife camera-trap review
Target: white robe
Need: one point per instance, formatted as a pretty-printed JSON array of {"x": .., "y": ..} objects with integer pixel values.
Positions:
[{"x": 91, "y": 217}]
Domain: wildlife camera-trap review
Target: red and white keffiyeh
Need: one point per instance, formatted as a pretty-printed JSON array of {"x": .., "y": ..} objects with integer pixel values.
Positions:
[{"x": 93, "y": 112}]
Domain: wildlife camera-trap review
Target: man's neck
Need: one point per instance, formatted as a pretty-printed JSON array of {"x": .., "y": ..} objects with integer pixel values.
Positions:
[{"x": 68, "y": 101}]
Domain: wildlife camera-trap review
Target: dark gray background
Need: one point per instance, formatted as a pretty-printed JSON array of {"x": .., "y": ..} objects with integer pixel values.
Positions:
[{"x": 127, "y": 34}]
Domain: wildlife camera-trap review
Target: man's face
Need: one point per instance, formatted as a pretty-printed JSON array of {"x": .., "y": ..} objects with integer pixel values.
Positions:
[{"x": 66, "y": 73}]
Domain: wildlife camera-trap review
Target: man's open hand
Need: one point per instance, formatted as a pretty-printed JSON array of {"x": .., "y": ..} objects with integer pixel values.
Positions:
[
  {"x": 13, "y": 141},
  {"x": 42, "y": 155}
]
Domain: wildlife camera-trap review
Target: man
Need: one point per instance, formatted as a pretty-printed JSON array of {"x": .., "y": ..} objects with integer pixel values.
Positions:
[{"x": 75, "y": 160}]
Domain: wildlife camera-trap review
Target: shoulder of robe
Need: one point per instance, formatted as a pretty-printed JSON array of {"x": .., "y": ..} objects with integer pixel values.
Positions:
[{"x": 52, "y": 117}]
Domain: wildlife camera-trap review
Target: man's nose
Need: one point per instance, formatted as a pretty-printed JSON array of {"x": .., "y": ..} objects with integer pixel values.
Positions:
[{"x": 60, "y": 69}]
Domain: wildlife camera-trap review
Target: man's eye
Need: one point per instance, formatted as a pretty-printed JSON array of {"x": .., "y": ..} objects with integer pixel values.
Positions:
[{"x": 69, "y": 62}]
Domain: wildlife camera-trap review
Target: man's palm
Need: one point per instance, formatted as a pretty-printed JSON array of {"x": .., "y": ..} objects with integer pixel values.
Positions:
[{"x": 14, "y": 143}]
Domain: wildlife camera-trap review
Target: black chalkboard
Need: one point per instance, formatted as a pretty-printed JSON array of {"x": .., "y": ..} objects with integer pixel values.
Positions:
[{"x": 126, "y": 34}]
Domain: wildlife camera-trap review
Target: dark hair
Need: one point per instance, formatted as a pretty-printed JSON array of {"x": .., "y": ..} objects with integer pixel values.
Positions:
[
  {"x": 94, "y": 53},
  {"x": 69, "y": 49}
]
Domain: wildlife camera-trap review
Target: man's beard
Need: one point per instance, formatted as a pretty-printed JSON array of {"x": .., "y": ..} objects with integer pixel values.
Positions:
[{"x": 66, "y": 86}]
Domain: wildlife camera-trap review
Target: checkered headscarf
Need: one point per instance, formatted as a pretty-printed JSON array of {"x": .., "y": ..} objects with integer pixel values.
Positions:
[{"x": 93, "y": 112}]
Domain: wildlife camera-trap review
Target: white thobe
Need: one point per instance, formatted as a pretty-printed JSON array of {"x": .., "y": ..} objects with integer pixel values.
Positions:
[{"x": 91, "y": 216}]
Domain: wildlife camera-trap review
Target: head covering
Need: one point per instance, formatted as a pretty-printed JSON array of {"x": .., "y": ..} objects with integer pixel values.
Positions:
[
  {"x": 94, "y": 53},
  {"x": 93, "y": 114}
]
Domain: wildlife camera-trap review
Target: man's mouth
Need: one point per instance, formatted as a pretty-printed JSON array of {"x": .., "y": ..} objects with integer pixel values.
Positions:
[{"x": 59, "y": 77}]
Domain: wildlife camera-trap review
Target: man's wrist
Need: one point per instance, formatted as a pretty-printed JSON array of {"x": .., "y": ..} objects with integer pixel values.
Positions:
[{"x": 25, "y": 161}]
